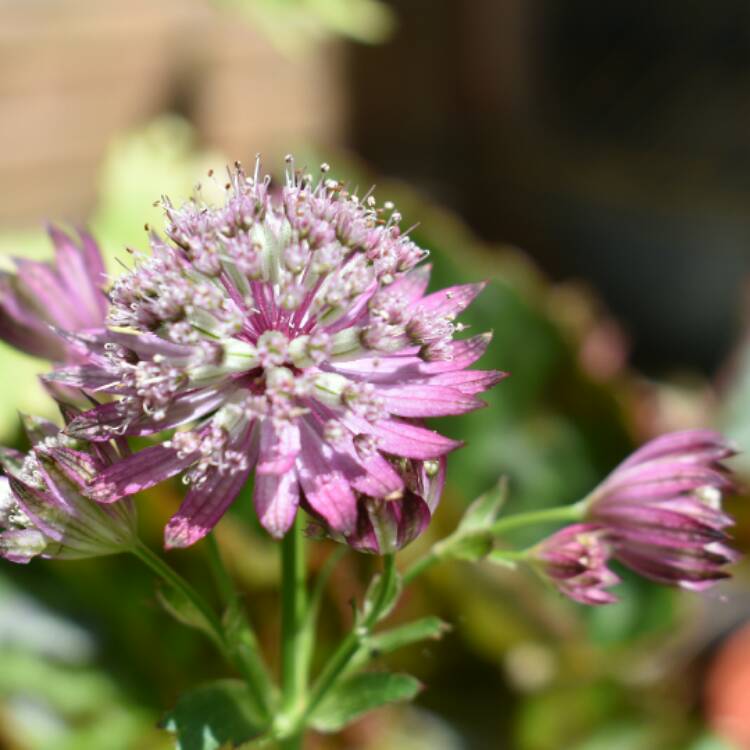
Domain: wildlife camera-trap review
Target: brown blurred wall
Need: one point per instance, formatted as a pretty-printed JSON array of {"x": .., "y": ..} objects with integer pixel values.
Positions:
[{"x": 73, "y": 73}]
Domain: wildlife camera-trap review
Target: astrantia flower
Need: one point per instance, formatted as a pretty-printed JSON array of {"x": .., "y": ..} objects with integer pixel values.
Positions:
[
  {"x": 44, "y": 509},
  {"x": 42, "y": 300},
  {"x": 661, "y": 509},
  {"x": 575, "y": 559},
  {"x": 290, "y": 335}
]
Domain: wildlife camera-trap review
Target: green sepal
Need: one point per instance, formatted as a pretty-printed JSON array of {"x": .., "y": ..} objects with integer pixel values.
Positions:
[
  {"x": 356, "y": 696},
  {"x": 216, "y": 715}
]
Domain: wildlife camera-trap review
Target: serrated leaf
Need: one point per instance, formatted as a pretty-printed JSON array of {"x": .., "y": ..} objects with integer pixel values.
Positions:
[
  {"x": 428, "y": 628},
  {"x": 385, "y": 601},
  {"x": 217, "y": 715},
  {"x": 483, "y": 512},
  {"x": 365, "y": 692}
]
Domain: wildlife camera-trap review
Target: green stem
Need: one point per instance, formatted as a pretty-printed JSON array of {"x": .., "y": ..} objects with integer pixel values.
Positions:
[
  {"x": 352, "y": 643},
  {"x": 223, "y": 580},
  {"x": 313, "y": 605},
  {"x": 243, "y": 647},
  {"x": 293, "y": 624},
  {"x": 547, "y": 515},
  {"x": 419, "y": 567},
  {"x": 244, "y": 659},
  {"x": 572, "y": 512},
  {"x": 170, "y": 576}
]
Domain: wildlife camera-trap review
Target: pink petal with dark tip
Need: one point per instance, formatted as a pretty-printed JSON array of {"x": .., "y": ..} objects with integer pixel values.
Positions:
[{"x": 138, "y": 472}]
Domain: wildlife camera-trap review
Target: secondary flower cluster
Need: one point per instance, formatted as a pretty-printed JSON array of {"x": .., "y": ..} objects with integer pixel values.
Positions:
[
  {"x": 659, "y": 513},
  {"x": 41, "y": 301},
  {"x": 288, "y": 333},
  {"x": 44, "y": 504}
]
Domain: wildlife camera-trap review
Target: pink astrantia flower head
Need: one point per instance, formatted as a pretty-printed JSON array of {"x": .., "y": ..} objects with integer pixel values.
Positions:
[
  {"x": 42, "y": 301},
  {"x": 575, "y": 559},
  {"x": 44, "y": 507},
  {"x": 289, "y": 334},
  {"x": 661, "y": 509}
]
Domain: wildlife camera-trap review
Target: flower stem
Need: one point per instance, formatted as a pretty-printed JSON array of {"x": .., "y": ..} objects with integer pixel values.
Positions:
[
  {"x": 313, "y": 604},
  {"x": 169, "y": 575},
  {"x": 293, "y": 625},
  {"x": 223, "y": 580},
  {"x": 243, "y": 647},
  {"x": 349, "y": 647},
  {"x": 246, "y": 663},
  {"x": 572, "y": 512}
]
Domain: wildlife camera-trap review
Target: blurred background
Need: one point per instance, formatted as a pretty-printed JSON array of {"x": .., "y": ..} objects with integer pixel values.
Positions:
[{"x": 591, "y": 159}]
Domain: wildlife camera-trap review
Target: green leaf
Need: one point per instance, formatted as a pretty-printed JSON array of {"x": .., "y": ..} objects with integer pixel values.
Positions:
[
  {"x": 214, "y": 716},
  {"x": 389, "y": 597},
  {"x": 428, "y": 628},
  {"x": 352, "y": 698},
  {"x": 473, "y": 538},
  {"x": 483, "y": 512}
]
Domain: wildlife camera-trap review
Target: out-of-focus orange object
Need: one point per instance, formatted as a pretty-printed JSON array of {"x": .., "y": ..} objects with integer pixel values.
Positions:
[{"x": 728, "y": 690}]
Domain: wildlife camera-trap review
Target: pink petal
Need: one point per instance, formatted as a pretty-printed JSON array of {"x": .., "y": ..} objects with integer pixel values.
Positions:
[
  {"x": 205, "y": 504},
  {"x": 371, "y": 475},
  {"x": 100, "y": 422},
  {"x": 276, "y": 499},
  {"x": 469, "y": 381},
  {"x": 462, "y": 354},
  {"x": 51, "y": 294},
  {"x": 427, "y": 401},
  {"x": 681, "y": 442},
  {"x": 138, "y": 472},
  {"x": 203, "y": 508},
  {"x": 90, "y": 377},
  {"x": 451, "y": 301},
  {"x": 404, "y": 439},
  {"x": 411, "y": 286},
  {"x": 78, "y": 278},
  {"x": 21, "y": 326},
  {"x": 94, "y": 262},
  {"x": 279, "y": 447},
  {"x": 327, "y": 491}
]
